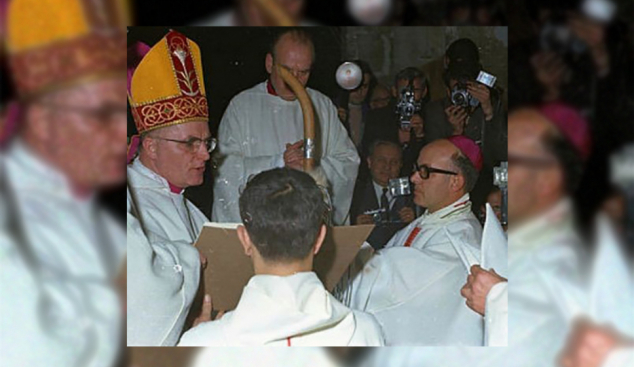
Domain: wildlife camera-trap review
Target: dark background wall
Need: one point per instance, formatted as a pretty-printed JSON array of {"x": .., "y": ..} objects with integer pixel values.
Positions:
[
  {"x": 391, "y": 49},
  {"x": 233, "y": 60}
]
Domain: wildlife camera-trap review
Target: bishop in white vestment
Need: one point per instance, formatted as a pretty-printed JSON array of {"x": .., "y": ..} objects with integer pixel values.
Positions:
[
  {"x": 163, "y": 265},
  {"x": 413, "y": 285}
]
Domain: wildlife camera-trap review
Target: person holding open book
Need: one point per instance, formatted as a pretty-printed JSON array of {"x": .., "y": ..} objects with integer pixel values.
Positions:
[{"x": 285, "y": 303}]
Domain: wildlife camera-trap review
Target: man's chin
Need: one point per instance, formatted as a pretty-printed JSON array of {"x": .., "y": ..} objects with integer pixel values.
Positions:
[
  {"x": 195, "y": 181},
  {"x": 419, "y": 200}
]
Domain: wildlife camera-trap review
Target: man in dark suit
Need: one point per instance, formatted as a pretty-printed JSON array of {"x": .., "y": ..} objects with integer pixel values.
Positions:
[{"x": 385, "y": 162}]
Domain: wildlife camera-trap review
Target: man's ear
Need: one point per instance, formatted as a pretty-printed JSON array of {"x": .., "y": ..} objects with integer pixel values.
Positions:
[
  {"x": 458, "y": 183},
  {"x": 150, "y": 147},
  {"x": 369, "y": 160},
  {"x": 268, "y": 63},
  {"x": 245, "y": 240},
  {"x": 320, "y": 239},
  {"x": 394, "y": 92}
]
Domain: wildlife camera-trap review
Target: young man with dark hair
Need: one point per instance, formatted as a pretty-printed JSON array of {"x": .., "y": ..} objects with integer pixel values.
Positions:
[{"x": 283, "y": 213}]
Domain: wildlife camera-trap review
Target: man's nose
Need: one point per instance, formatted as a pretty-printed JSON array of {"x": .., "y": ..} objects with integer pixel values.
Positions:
[
  {"x": 415, "y": 178},
  {"x": 203, "y": 153}
]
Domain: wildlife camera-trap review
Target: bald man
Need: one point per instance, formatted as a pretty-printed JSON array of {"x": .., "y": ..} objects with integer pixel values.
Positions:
[
  {"x": 413, "y": 285},
  {"x": 263, "y": 129},
  {"x": 544, "y": 248}
]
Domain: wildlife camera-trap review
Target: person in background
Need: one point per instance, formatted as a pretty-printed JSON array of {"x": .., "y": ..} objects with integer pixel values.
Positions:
[
  {"x": 384, "y": 123},
  {"x": 380, "y": 97},
  {"x": 495, "y": 200},
  {"x": 263, "y": 128},
  {"x": 385, "y": 162},
  {"x": 353, "y": 106}
]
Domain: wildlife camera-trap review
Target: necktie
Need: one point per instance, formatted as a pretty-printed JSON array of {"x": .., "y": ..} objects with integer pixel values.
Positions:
[{"x": 385, "y": 204}]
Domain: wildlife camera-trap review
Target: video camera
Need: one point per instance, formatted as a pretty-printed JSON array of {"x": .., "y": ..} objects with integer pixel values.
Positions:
[{"x": 407, "y": 106}]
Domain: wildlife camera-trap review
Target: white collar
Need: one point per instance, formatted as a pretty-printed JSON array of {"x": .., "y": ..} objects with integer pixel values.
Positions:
[
  {"x": 34, "y": 174},
  {"x": 457, "y": 207},
  {"x": 151, "y": 179}
]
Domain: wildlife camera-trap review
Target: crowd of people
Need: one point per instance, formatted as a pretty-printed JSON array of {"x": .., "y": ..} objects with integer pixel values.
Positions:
[
  {"x": 419, "y": 280},
  {"x": 259, "y": 183}
]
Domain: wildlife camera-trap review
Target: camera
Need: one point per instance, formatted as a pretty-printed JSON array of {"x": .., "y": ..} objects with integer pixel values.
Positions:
[
  {"x": 501, "y": 175},
  {"x": 378, "y": 215},
  {"x": 399, "y": 186},
  {"x": 407, "y": 107},
  {"x": 460, "y": 95},
  {"x": 501, "y": 180}
]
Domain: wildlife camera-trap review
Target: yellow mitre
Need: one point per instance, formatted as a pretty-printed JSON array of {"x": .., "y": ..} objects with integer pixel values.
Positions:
[
  {"x": 56, "y": 43},
  {"x": 167, "y": 88}
]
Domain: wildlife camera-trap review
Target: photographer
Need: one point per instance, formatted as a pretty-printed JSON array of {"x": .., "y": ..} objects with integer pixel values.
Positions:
[
  {"x": 385, "y": 162},
  {"x": 385, "y": 123},
  {"x": 474, "y": 110}
]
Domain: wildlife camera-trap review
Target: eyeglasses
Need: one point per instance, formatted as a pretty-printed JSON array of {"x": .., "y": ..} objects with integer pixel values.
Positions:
[
  {"x": 424, "y": 171},
  {"x": 193, "y": 144}
]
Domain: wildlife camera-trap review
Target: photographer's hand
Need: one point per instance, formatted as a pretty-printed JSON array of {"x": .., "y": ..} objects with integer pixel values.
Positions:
[
  {"x": 407, "y": 214},
  {"x": 482, "y": 94},
  {"x": 404, "y": 136},
  {"x": 457, "y": 117},
  {"x": 364, "y": 219}
]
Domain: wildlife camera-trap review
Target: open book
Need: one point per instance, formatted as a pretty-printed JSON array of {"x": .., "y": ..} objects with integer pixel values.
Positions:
[{"x": 229, "y": 269}]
